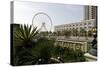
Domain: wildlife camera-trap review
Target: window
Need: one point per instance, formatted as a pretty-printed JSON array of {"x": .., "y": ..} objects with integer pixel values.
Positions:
[
  {"x": 85, "y": 27},
  {"x": 80, "y": 24},
  {"x": 90, "y": 27},
  {"x": 84, "y": 23},
  {"x": 89, "y": 23}
]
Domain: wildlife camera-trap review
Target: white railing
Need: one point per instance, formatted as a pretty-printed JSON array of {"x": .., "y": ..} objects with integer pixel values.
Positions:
[{"x": 83, "y": 46}]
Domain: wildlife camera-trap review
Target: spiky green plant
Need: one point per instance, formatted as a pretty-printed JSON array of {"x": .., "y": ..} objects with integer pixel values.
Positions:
[
  {"x": 23, "y": 42},
  {"x": 25, "y": 32}
]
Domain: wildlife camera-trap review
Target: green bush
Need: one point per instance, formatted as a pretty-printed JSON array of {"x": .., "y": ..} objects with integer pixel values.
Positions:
[
  {"x": 68, "y": 54},
  {"x": 43, "y": 50},
  {"x": 29, "y": 47}
]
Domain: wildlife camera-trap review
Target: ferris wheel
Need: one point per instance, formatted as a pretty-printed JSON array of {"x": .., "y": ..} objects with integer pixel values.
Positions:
[{"x": 42, "y": 21}]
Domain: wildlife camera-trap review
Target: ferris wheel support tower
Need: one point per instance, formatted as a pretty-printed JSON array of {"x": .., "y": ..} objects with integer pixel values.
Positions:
[{"x": 43, "y": 25}]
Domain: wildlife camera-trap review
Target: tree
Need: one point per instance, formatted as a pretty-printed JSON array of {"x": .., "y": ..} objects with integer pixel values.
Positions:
[
  {"x": 67, "y": 33},
  {"x": 58, "y": 33},
  {"x": 75, "y": 32},
  {"x": 83, "y": 32},
  {"x": 43, "y": 50},
  {"x": 89, "y": 33},
  {"x": 54, "y": 33}
]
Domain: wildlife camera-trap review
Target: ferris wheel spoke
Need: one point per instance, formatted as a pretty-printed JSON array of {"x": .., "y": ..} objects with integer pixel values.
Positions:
[{"x": 42, "y": 25}]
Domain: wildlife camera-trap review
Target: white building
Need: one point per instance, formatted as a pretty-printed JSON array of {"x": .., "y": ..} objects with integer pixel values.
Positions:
[
  {"x": 89, "y": 22},
  {"x": 86, "y": 24}
]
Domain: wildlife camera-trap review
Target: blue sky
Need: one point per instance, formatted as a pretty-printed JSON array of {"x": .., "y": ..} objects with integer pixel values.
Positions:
[{"x": 59, "y": 13}]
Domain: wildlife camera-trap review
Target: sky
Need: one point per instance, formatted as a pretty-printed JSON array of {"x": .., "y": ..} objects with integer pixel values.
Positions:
[{"x": 59, "y": 13}]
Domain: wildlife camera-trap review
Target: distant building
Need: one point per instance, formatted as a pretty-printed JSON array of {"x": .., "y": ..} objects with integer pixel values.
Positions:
[
  {"x": 89, "y": 22},
  {"x": 90, "y": 12},
  {"x": 86, "y": 24}
]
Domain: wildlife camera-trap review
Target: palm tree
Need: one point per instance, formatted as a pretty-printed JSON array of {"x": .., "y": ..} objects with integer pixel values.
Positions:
[
  {"x": 89, "y": 33},
  {"x": 58, "y": 33},
  {"x": 67, "y": 33},
  {"x": 83, "y": 32},
  {"x": 74, "y": 32}
]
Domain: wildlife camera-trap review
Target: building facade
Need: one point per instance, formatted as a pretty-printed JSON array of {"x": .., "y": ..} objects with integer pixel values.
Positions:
[
  {"x": 89, "y": 22},
  {"x": 90, "y": 12},
  {"x": 86, "y": 24}
]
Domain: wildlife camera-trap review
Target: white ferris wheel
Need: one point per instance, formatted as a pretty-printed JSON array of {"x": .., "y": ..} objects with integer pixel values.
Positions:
[{"x": 42, "y": 21}]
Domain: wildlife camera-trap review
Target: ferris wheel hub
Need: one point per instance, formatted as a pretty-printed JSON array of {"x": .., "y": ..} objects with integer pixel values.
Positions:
[{"x": 47, "y": 26}]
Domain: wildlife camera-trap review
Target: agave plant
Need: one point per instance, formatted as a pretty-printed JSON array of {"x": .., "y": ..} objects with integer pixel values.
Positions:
[
  {"x": 24, "y": 37},
  {"x": 26, "y": 34}
]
